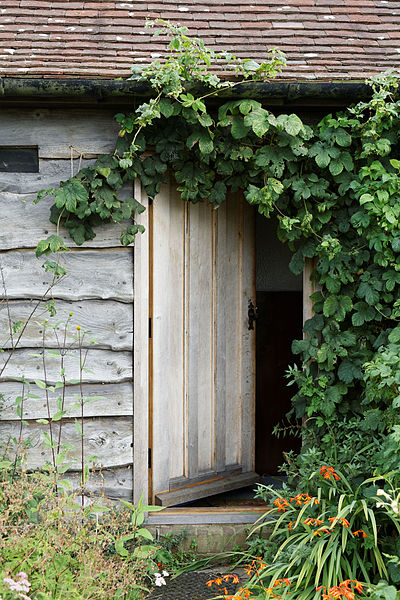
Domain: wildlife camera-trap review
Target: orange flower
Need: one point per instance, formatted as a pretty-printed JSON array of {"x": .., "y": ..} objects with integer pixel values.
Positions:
[
  {"x": 360, "y": 532},
  {"x": 281, "y": 504},
  {"x": 311, "y": 521},
  {"x": 329, "y": 473},
  {"x": 243, "y": 593},
  {"x": 344, "y": 589},
  {"x": 281, "y": 581},
  {"x": 228, "y": 576},
  {"x": 344, "y": 522},
  {"x": 290, "y": 525}
]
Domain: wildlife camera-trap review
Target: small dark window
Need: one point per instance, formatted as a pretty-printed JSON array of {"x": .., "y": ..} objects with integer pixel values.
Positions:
[{"x": 19, "y": 159}]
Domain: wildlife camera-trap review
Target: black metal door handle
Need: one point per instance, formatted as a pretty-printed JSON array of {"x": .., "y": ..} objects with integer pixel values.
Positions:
[{"x": 252, "y": 314}]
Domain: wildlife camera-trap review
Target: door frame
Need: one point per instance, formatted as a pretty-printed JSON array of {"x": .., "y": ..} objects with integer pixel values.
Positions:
[
  {"x": 141, "y": 348},
  {"x": 142, "y": 345}
]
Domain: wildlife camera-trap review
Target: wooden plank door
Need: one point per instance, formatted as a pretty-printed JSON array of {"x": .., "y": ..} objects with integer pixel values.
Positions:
[{"x": 203, "y": 354}]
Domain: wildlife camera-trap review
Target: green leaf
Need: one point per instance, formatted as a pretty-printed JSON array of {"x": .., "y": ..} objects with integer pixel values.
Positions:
[
  {"x": 323, "y": 159},
  {"x": 206, "y": 144},
  {"x": 78, "y": 427},
  {"x": 394, "y": 335},
  {"x": 342, "y": 137},
  {"x": 293, "y": 125},
  {"x": 321, "y": 153},
  {"x": 396, "y": 243},
  {"x": 218, "y": 193},
  {"x": 166, "y": 107},
  {"x": 333, "y": 284},
  {"x": 74, "y": 193},
  {"x": 247, "y": 105},
  {"x": 205, "y": 120},
  {"x": 258, "y": 121},
  {"x": 41, "y": 384},
  {"x": 330, "y": 306},
  {"x": 348, "y": 371},
  {"x": 336, "y": 167},
  {"x": 59, "y": 415},
  {"x": 366, "y": 198},
  {"x": 364, "y": 313},
  {"x": 144, "y": 533},
  {"x": 366, "y": 291},
  {"x": 239, "y": 129},
  {"x": 104, "y": 171}
]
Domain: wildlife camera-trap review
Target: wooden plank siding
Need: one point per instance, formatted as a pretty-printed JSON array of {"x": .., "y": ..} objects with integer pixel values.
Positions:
[{"x": 98, "y": 290}]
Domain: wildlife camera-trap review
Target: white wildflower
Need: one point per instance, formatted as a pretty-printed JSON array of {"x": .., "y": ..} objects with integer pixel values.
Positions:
[
  {"x": 165, "y": 574},
  {"x": 159, "y": 579}
]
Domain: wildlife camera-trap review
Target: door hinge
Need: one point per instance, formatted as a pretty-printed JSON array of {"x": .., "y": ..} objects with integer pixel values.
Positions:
[
  {"x": 149, "y": 458},
  {"x": 150, "y": 332}
]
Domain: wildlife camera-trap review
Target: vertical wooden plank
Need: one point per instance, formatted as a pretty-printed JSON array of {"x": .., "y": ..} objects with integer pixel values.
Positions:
[
  {"x": 247, "y": 359},
  {"x": 174, "y": 361},
  {"x": 202, "y": 292},
  {"x": 233, "y": 331},
  {"x": 162, "y": 290},
  {"x": 140, "y": 353},
  {"x": 220, "y": 282},
  {"x": 192, "y": 339}
]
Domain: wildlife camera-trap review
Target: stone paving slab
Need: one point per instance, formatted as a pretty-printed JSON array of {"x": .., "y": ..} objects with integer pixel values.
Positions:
[{"x": 192, "y": 586}]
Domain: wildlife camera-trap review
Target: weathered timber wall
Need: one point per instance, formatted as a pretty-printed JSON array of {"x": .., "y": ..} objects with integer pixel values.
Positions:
[{"x": 98, "y": 289}]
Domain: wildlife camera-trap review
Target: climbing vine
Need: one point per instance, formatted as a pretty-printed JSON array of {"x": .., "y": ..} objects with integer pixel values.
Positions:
[{"x": 334, "y": 189}]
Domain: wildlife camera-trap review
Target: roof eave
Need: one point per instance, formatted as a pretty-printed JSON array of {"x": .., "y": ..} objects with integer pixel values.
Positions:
[{"x": 293, "y": 92}]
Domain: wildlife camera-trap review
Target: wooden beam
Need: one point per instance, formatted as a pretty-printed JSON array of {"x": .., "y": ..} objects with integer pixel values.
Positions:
[
  {"x": 141, "y": 353},
  {"x": 202, "y": 490}
]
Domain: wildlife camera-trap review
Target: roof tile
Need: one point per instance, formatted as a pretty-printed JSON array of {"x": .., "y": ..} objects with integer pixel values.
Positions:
[{"x": 322, "y": 39}]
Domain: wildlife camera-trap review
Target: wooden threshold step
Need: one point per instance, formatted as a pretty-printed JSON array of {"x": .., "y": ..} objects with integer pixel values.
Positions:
[{"x": 206, "y": 489}]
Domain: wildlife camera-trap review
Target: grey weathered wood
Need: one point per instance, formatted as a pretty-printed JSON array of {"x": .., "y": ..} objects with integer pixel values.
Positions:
[
  {"x": 51, "y": 172},
  {"x": 248, "y": 340},
  {"x": 104, "y": 366},
  {"x": 200, "y": 403},
  {"x": 114, "y": 483},
  {"x": 163, "y": 285},
  {"x": 190, "y": 516},
  {"x": 141, "y": 355},
  {"x": 18, "y": 209},
  {"x": 115, "y": 400},
  {"x": 222, "y": 334},
  {"x": 91, "y": 274},
  {"x": 108, "y": 324},
  {"x": 209, "y": 488},
  {"x": 109, "y": 439},
  {"x": 55, "y": 130}
]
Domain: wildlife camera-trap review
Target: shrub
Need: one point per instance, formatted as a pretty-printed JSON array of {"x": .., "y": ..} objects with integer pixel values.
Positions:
[
  {"x": 324, "y": 545},
  {"x": 68, "y": 552}
]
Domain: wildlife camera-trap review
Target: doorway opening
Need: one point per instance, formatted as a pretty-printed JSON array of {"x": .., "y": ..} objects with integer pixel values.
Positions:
[{"x": 280, "y": 320}]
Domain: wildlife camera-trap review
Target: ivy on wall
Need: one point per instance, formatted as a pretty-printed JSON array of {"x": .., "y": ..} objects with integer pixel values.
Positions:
[{"x": 335, "y": 190}]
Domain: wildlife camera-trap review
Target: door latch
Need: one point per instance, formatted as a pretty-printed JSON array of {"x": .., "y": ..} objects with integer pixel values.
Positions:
[{"x": 252, "y": 314}]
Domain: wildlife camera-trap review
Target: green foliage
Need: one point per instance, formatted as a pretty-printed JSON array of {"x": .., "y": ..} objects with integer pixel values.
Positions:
[
  {"x": 67, "y": 552},
  {"x": 333, "y": 188},
  {"x": 317, "y": 542}
]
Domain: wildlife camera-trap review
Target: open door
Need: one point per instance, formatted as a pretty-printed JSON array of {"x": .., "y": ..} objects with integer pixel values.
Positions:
[{"x": 202, "y": 353}]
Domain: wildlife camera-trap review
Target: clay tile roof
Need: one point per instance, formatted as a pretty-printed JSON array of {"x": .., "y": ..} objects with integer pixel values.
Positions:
[{"x": 324, "y": 40}]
